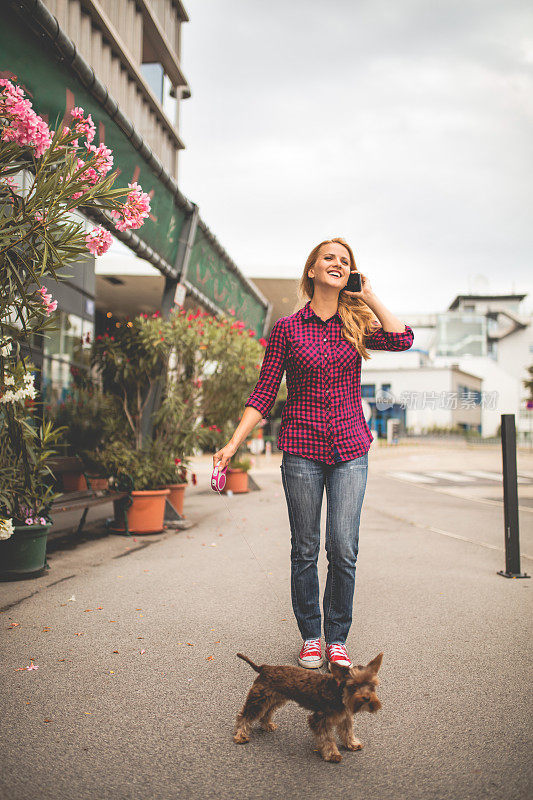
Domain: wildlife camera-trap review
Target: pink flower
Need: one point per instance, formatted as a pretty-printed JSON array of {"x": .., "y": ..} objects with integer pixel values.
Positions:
[
  {"x": 263, "y": 342},
  {"x": 85, "y": 127},
  {"x": 103, "y": 157},
  {"x": 24, "y": 127},
  {"x": 49, "y": 304},
  {"x": 98, "y": 241},
  {"x": 134, "y": 211}
]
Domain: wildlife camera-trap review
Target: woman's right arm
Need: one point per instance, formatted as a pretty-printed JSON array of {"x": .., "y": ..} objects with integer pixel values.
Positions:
[
  {"x": 249, "y": 420},
  {"x": 263, "y": 396}
]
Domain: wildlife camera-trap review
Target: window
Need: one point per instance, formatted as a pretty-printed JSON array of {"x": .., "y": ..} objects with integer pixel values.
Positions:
[
  {"x": 368, "y": 389},
  {"x": 154, "y": 73},
  {"x": 61, "y": 351}
]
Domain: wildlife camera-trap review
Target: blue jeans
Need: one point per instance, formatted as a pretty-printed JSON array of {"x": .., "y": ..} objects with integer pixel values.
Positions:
[{"x": 303, "y": 482}]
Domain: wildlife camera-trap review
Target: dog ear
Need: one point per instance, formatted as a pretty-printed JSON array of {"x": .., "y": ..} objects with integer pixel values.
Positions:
[
  {"x": 339, "y": 673},
  {"x": 375, "y": 664}
]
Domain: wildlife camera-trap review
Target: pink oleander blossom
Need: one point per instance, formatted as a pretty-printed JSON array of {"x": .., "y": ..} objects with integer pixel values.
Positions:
[
  {"x": 103, "y": 159},
  {"x": 98, "y": 241},
  {"x": 84, "y": 126},
  {"x": 49, "y": 304},
  {"x": 24, "y": 126},
  {"x": 134, "y": 211}
]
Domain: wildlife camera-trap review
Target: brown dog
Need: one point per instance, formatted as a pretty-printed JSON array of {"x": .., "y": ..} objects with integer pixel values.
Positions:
[{"x": 333, "y": 699}]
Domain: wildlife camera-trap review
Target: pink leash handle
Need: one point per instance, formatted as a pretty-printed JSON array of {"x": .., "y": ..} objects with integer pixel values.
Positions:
[{"x": 218, "y": 478}]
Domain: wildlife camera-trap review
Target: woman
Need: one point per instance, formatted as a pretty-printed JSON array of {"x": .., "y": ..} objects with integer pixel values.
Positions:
[{"x": 323, "y": 435}]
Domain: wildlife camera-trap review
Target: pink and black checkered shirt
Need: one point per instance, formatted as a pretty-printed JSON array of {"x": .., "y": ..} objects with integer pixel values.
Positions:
[{"x": 323, "y": 417}]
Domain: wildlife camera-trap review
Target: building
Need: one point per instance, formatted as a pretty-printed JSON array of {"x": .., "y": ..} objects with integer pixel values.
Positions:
[
  {"x": 491, "y": 336},
  {"x": 477, "y": 352},
  {"x": 121, "y": 61}
]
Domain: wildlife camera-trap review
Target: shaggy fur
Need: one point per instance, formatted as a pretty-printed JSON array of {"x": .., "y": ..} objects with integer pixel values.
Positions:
[{"x": 333, "y": 699}]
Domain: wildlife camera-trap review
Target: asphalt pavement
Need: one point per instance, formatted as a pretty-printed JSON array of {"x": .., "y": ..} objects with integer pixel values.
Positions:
[{"x": 137, "y": 683}]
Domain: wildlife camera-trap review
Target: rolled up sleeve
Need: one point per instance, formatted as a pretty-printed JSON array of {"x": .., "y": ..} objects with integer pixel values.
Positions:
[
  {"x": 390, "y": 340},
  {"x": 272, "y": 368}
]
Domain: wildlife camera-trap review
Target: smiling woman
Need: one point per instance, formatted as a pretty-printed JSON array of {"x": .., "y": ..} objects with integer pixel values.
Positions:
[{"x": 323, "y": 434}]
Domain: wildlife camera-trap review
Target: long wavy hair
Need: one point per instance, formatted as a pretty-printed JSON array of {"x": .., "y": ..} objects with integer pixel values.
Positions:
[{"x": 357, "y": 318}]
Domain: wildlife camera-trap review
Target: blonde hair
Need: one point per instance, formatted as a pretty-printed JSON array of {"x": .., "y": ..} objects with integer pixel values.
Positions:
[{"x": 357, "y": 319}]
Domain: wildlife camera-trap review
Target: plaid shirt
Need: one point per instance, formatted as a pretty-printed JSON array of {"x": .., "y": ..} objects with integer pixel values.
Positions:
[{"x": 323, "y": 413}]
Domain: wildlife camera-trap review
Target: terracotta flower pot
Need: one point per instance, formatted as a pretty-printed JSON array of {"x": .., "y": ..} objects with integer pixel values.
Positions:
[
  {"x": 98, "y": 483},
  {"x": 236, "y": 481},
  {"x": 23, "y": 555},
  {"x": 74, "y": 482},
  {"x": 145, "y": 515},
  {"x": 177, "y": 495}
]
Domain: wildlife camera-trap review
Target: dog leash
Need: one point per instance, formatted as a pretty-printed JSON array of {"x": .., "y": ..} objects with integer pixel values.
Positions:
[{"x": 218, "y": 482}]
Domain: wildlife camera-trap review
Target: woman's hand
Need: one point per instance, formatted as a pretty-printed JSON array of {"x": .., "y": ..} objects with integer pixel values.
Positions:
[
  {"x": 366, "y": 292},
  {"x": 222, "y": 457}
]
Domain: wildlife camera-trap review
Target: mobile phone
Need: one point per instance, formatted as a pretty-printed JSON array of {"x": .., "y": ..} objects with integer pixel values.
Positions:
[{"x": 354, "y": 282}]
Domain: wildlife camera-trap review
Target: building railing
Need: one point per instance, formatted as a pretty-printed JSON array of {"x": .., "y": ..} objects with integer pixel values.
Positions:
[{"x": 112, "y": 44}]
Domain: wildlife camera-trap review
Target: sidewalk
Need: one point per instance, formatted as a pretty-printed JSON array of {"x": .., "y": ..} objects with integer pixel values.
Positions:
[{"x": 455, "y": 677}]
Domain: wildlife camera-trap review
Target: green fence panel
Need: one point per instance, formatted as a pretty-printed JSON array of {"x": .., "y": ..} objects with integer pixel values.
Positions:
[{"x": 209, "y": 273}]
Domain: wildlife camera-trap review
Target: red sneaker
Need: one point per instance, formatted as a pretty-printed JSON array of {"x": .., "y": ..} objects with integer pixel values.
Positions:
[
  {"x": 336, "y": 654},
  {"x": 311, "y": 654}
]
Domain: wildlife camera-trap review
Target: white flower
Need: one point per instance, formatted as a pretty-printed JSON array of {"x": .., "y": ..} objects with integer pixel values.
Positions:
[
  {"x": 6, "y": 528},
  {"x": 6, "y": 349},
  {"x": 28, "y": 390}
]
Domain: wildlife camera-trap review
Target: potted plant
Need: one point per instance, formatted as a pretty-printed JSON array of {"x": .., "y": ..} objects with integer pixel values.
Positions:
[
  {"x": 177, "y": 424},
  {"x": 131, "y": 364},
  {"x": 174, "y": 475},
  {"x": 26, "y": 482},
  {"x": 140, "y": 469},
  {"x": 86, "y": 415},
  {"x": 44, "y": 177}
]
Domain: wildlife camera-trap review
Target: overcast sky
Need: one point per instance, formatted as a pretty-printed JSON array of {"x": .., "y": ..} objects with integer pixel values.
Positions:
[{"x": 404, "y": 126}]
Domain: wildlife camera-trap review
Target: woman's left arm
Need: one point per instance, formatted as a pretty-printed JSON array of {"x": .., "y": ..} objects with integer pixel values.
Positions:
[{"x": 392, "y": 334}]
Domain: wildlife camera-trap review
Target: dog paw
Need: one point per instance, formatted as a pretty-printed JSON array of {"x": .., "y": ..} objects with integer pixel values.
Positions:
[
  {"x": 355, "y": 744},
  {"x": 335, "y": 758},
  {"x": 241, "y": 738},
  {"x": 269, "y": 726}
]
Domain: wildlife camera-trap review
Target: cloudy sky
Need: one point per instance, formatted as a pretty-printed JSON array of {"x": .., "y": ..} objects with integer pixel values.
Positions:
[{"x": 404, "y": 126}]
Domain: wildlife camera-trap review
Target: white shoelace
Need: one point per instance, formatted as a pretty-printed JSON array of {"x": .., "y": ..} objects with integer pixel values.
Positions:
[
  {"x": 311, "y": 647},
  {"x": 339, "y": 650}
]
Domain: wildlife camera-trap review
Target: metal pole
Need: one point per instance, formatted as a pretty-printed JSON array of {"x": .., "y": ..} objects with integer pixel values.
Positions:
[{"x": 510, "y": 499}]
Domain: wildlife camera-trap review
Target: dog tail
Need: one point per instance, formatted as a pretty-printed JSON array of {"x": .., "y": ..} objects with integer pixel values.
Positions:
[{"x": 248, "y": 661}]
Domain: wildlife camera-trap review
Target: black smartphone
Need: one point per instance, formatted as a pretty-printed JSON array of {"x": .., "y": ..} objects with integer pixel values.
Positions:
[{"x": 354, "y": 282}]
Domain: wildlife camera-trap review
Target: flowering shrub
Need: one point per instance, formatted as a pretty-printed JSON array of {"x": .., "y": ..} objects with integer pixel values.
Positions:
[
  {"x": 45, "y": 175},
  {"x": 213, "y": 365}
]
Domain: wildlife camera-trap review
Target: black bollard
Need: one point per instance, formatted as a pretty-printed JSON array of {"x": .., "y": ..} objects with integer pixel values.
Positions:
[{"x": 510, "y": 500}]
